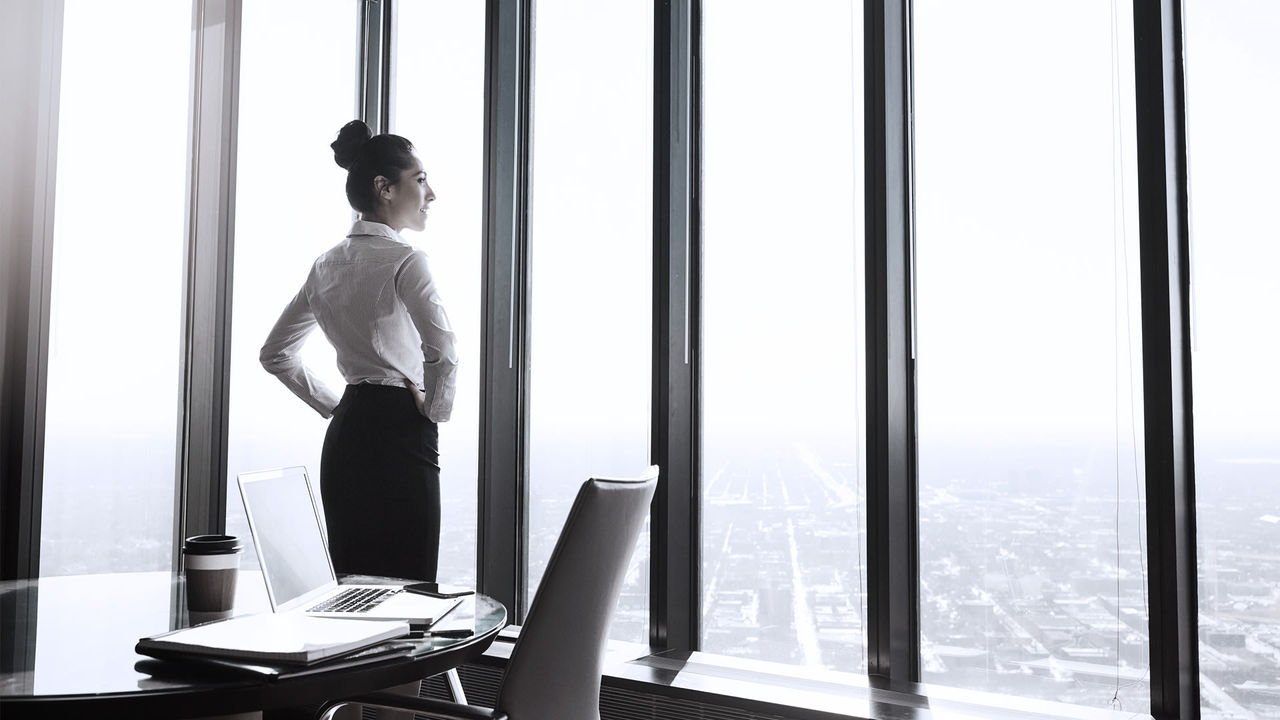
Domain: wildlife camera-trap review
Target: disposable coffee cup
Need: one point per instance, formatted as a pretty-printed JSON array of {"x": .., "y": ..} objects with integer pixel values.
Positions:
[{"x": 211, "y": 564}]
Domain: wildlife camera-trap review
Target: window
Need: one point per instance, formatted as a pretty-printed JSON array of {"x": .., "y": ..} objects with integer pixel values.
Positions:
[
  {"x": 442, "y": 113},
  {"x": 290, "y": 207},
  {"x": 590, "y": 243},
  {"x": 1233, "y": 152},
  {"x": 113, "y": 402},
  {"x": 1028, "y": 352},
  {"x": 783, "y": 517}
]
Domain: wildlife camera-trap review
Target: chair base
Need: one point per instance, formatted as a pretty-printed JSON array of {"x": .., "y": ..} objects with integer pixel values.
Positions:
[{"x": 438, "y": 709}]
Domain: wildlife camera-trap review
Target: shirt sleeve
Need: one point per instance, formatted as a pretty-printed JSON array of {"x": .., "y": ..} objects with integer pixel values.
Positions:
[
  {"x": 280, "y": 355},
  {"x": 421, "y": 297}
]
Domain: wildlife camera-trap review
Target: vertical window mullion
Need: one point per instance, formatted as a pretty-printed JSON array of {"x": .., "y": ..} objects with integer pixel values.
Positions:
[
  {"x": 893, "y": 615},
  {"x": 1166, "y": 355},
  {"x": 674, "y": 582},
  {"x": 27, "y": 251},
  {"x": 373, "y": 96},
  {"x": 202, "y": 490},
  {"x": 501, "y": 548}
]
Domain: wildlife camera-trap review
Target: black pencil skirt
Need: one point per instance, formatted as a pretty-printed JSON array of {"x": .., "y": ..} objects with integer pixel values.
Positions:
[{"x": 380, "y": 485}]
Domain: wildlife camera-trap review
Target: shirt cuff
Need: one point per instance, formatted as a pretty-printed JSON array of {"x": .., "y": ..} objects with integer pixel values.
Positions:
[
  {"x": 325, "y": 402},
  {"x": 440, "y": 391}
]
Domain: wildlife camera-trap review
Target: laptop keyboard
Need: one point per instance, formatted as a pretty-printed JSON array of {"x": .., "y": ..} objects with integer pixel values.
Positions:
[{"x": 355, "y": 600}]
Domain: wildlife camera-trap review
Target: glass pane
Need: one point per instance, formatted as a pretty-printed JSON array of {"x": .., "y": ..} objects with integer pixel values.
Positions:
[
  {"x": 113, "y": 402},
  {"x": 590, "y": 262},
  {"x": 290, "y": 207},
  {"x": 1033, "y": 576},
  {"x": 1232, "y": 102},
  {"x": 444, "y": 34},
  {"x": 783, "y": 513}
]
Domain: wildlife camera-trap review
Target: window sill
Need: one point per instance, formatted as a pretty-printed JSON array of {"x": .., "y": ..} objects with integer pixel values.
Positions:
[{"x": 789, "y": 691}]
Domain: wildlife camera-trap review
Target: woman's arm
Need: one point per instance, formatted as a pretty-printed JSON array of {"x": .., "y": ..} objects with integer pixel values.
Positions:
[
  {"x": 421, "y": 298},
  {"x": 280, "y": 355}
]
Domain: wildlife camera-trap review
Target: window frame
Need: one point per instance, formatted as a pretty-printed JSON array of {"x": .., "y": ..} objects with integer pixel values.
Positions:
[
  {"x": 200, "y": 498},
  {"x": 1164, "y": 259},
  {"x": 27, "y": 252},
  {"x": 893, "y": 576},
  {"x": 502, "y": 527},
  {"x": 675, "y": 562}
]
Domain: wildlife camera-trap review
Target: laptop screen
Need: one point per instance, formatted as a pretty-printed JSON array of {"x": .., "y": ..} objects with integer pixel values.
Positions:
[{"x": 286, "y": 530}]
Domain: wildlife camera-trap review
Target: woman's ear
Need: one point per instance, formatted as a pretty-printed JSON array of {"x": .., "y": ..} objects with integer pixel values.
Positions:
[{"x": 383, "y": 186}]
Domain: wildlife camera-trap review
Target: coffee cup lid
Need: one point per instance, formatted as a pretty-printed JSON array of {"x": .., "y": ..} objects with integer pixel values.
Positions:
[{"x": 211, "y": 545}]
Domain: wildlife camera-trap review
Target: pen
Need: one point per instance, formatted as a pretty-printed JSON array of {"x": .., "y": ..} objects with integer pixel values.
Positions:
[{"x": 443, "y": 633}]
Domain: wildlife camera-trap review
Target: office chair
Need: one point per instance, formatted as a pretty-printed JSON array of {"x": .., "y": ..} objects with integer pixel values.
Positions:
[{"x": 555, "y": 666}]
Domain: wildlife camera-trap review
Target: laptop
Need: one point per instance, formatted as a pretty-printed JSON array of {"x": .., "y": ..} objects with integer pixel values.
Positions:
[{"x": 294, "y": 557}]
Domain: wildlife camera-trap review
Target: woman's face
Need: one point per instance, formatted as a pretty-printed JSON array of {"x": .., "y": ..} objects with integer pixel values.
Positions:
[{"x": 409, "y": 197}]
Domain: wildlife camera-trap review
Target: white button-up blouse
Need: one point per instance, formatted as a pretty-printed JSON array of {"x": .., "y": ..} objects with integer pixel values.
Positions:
[{"x": 373, "y": 296}]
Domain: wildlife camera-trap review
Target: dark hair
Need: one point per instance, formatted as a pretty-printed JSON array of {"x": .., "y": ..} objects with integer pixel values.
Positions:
[{"x": 365, "y": 156}]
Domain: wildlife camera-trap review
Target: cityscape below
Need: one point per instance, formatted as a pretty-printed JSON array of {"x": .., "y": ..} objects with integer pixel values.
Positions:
[{"x": 1025, "y": 590}]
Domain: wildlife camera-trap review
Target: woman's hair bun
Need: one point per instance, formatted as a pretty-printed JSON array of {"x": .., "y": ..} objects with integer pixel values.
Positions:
[{"x": 351, "y": 138}]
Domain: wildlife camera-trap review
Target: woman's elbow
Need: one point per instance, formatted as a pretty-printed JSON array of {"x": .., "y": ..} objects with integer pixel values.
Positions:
[{"x": 273, "y": 360}]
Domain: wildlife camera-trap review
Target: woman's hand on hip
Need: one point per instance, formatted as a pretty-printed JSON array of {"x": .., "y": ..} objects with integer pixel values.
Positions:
[{"x": 419, "y": 397}]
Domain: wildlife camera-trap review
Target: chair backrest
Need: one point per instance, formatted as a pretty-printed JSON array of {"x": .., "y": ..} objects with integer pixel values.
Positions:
[{"x": 555, "y": 666}]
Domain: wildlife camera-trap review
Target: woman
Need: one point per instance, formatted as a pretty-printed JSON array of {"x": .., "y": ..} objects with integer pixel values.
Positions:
[{"x": 374, "y": 298}]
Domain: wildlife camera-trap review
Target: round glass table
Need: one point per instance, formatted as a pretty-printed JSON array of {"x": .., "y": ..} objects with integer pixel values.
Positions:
[{"x": 67, "y": 647}]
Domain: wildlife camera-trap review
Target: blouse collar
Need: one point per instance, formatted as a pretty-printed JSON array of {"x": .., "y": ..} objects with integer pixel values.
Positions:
[{"x": 376, "y": 229}]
